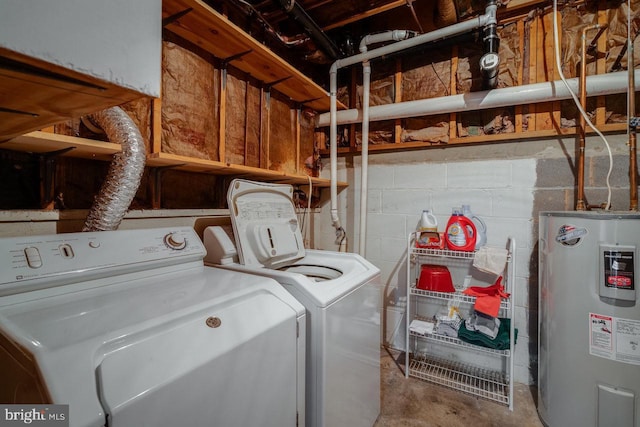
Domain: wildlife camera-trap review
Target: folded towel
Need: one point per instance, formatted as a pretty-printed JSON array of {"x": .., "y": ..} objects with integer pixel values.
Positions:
[
  {"x": 488, "y": 298},
  {"x": 421, "y": 327},
  {"x": 501, "y": 342},
  {"x": 484, "y": 324},
  {"x": 490, "y": 260},
  {"x": 448, "y": 325}
]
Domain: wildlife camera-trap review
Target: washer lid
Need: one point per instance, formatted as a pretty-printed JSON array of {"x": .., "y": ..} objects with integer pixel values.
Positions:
[{"x": 264, "y": 223}]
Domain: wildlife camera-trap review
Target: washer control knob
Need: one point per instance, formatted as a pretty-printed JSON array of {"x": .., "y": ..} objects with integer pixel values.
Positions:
[
  {"x": 175, "y": 241},
  {"x": 33, "y": 257}
]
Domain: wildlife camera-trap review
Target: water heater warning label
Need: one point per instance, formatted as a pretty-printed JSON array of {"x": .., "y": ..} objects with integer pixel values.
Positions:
[
  {"x": 614, "y": 338},
  {"x": 618, "y": 269}
]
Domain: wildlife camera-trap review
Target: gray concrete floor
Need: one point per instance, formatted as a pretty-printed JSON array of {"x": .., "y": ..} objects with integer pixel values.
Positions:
[{"x": 410, "y": 402}]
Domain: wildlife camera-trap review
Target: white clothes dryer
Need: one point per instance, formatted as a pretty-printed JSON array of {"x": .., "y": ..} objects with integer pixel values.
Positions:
[
  {"x": 129, "y": 328},
  {"x": 340, "y": 292}
]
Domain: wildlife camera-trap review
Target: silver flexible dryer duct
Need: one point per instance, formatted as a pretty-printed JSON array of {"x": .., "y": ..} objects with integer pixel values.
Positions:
[{"x": 125, "y": 171}]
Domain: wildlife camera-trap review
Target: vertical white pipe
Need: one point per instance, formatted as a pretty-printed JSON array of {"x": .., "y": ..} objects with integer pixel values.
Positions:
[
  {"x": 364, "y": 188},
  {"x": 333, "y": 144}
]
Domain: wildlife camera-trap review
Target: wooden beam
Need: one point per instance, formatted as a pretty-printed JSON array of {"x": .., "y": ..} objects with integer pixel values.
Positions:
[
  {"x": 601, "y": 102},
  {"x": 453, "y": 117},
  {"x": 261, "y": 154},
  {"x": 397, "y": 85},
  {"x": 222, "y": 115},
  {"x": 156, "y": 125},
  {"x": 367, "y": 14},
  {"x": 246, "y": 120},
  {"x": 297, "y": 124},
  {"x": 353, "y": 103},
  {"x": 520, "y": 79}
]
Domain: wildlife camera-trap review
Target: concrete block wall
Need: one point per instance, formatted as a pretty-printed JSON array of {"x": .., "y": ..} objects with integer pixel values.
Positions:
[{"x": 506, "y": 184}]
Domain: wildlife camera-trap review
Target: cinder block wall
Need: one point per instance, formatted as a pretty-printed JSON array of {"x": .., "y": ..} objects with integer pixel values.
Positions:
[{"x": 506, "y": 184}]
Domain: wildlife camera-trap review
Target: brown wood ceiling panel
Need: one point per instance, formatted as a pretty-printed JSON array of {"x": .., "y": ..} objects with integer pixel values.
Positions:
[{"x": 211, "y": 31}]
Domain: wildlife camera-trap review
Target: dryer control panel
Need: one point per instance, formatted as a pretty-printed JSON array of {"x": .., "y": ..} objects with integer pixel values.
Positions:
[{"x": 34, "y": 262}]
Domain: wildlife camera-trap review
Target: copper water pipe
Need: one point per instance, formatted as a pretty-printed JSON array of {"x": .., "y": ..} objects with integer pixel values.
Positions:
[
  {"x": 633, "y": 165},
  {"x": 580, "y": 205}
]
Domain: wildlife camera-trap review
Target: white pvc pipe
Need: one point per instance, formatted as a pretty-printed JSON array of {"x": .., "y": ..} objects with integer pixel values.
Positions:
[
  {"x": 333, "y": 147},
  {"x": 460, "y": 28},
  {"x": 602, "y": 84},
  {"x": 395, "y": 35},
  {"x": 364, "y": 187}
]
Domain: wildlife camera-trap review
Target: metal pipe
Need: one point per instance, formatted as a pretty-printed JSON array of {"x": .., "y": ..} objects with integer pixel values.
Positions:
[
  {"x": 490, "y": 60},
  {"x": 633, "y": 162},
  {"x": 296, "y": 11},
  {"x": 582, "y": 123},
  {"x": 602, "y": 84}
]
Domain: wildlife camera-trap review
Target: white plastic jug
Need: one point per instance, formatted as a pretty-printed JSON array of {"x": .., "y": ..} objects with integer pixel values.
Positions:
[
  {"x": 428, "y": 221},
  {"x": 481, "y": 227}
]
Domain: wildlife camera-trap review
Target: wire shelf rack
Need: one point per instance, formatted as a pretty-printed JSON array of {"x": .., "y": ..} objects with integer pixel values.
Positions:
[
  {"x": 459, "y": 343},
  {"x": 458, "y": 295},
  {"x": 484, "y": 383}
]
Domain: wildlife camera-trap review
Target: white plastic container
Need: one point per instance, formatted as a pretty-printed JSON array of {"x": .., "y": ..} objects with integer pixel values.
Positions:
[
  {"x": 428, "y": 221},
  {"x": 481, "y": 227}
]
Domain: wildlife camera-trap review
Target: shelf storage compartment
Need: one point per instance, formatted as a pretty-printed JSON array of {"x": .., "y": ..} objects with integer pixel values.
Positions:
[
  {"x": 492, "y": 385},
  {"x": 448, "y": 360},
  {"x": 505, "y": 304},
  {"x": 44, "y": 142},
  {"x": 458, "y": 343}
]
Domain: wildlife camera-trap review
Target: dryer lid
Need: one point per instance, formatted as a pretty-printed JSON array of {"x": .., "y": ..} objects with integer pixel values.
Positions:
[{"x": 265, "y": 224}]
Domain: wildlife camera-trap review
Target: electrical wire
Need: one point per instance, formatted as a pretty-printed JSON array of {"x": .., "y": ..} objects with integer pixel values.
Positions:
[
  {"x": 556, "y": 41},
  {"x": 306, "y": 210}
]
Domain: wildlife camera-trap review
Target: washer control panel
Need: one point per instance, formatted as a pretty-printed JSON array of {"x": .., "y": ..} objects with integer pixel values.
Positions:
[{"x": 72, "y": 257}]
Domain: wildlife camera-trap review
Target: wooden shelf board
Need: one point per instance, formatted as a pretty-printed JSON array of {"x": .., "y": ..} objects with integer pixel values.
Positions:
[
  {"x": 480, "y": 139},
  {"x": 211, "y": 31},
  {"x": 191, "y": 164},
  {"x": 46, "y": 142},
  {"x": 31, "y": 100}
]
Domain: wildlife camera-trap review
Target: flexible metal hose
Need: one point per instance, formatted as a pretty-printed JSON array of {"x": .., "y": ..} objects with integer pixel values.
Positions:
[{"x": 125, "y": 171}]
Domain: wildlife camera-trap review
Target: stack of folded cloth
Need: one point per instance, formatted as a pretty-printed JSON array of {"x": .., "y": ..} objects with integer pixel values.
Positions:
[
  {"x": 481, "y": 330},
  {"x": 421, "y": 327},
  {"x": 448, "y": 325},
  {"x": 487, "y": 325}
]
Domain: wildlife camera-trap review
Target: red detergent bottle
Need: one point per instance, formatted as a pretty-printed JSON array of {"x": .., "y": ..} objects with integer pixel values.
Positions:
[{"x": 460, "y": 234}]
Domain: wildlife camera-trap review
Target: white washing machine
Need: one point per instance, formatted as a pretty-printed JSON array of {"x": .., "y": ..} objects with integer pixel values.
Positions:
[
  {"x": 129, "y": 328},
  {"x": 339, "y": 290}
]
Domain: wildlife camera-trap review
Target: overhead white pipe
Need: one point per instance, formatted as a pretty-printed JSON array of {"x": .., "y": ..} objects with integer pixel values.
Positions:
[
  {"x": 395, "y": 35},
  {"x": 602, "y": 84},
  {"x": 460, "y": 28}
]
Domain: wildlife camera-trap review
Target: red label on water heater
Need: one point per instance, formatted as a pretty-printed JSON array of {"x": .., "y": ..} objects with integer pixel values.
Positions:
[{"x": 618, "y": 269}]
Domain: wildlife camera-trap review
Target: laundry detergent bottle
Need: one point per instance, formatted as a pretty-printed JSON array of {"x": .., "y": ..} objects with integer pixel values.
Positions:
[
  {"x": 428, "y": 221},
  {"x": 481, "y": 227},
  {"x": 427, "y": 231},
  {"x": 460, "y": 234}
]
